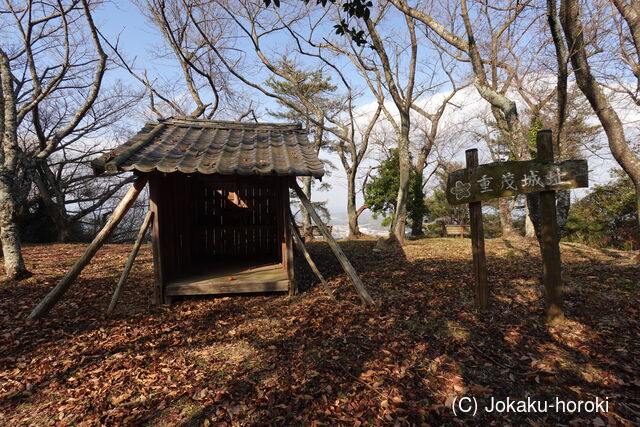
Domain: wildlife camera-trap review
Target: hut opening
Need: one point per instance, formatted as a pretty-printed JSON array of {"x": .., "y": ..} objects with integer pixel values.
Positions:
[{"x": 219, "y": 192}]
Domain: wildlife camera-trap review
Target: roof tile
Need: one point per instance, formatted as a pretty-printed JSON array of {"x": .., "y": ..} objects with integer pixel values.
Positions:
[{"x": 208, "y": 147}]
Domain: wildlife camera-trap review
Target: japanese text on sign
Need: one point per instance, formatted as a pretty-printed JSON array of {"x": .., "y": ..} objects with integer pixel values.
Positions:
[{"x": 502, "y": 179}]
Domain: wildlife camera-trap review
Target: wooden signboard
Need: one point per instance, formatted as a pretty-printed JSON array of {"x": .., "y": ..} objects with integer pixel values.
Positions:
[
  {"x": 503, "y": 179},
  {"x": 489, "y": 181}
]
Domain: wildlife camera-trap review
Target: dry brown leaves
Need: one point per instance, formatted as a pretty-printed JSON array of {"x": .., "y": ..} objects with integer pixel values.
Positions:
[{"x": 307, "y": 360}]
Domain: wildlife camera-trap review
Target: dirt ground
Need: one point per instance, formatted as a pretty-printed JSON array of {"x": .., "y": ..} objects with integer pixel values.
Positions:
[{"x": 307, "y": 360}]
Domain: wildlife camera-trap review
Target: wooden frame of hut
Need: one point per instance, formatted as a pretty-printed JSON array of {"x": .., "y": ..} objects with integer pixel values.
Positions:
[
  {"x": 219, "y": 208},
  {"x": 219, "y": 193}
]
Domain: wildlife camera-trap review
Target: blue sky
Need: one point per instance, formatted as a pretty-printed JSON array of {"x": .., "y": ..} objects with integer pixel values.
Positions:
[
  {"x": 138, "y": 38},
  {"x": 123, "y": 18}
]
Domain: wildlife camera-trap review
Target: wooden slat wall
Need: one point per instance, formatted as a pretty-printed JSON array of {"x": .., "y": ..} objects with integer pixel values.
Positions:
[{"x": 202, "y": 221}]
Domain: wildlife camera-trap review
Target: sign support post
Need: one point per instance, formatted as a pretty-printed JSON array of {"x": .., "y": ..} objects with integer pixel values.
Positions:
[
  {"x": 477, "y": 183},
  {"x": 551, "y": 264},
  {"x": 477, "y": 241}
]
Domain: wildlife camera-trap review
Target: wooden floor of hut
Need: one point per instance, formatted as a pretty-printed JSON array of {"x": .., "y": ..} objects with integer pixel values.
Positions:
[{"x": 267, "y": 278}]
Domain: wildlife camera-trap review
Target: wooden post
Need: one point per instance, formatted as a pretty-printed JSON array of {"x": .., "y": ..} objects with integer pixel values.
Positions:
[
  {"x": 550, "y": 248},
  {"x": 477, "y": 242},
  {"x": 342, "y": 258},
  {"x": 56, "y": 293},
  {"x": 287, "y": 245},
  {"x": 154, "y": 201},
  {"x": 298, "y": 241},
  {"x": 129, "y": 264}
]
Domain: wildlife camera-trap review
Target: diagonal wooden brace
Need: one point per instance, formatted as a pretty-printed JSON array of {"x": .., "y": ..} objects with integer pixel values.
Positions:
[
  {"x": 63, "y": 285},
  {"x": 342, "y": 258},
  {"x": 127, "y": 267},
  {"x": 298, "y": 241}
]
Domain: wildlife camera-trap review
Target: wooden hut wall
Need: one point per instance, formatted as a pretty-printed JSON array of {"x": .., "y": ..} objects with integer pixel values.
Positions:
[{"x": 208, "y": 222}]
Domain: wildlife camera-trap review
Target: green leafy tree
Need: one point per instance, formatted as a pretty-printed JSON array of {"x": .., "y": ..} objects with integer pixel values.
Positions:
[
  {"x": 302, "y": 88},
  {"x": 300, "y": 84},
  {"x": 606, "y": 216},
  {"x": 438, "y": 210},
  {"x": 382, "y": 190}
]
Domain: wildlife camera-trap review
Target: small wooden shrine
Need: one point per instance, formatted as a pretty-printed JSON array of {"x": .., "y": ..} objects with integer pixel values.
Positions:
[
  {"x": 219, "y": 192},
  {"x": 219, "y": 209}
]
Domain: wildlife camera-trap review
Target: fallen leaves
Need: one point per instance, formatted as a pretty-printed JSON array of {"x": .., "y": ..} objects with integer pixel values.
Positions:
[{"x": 305, "y": 360}]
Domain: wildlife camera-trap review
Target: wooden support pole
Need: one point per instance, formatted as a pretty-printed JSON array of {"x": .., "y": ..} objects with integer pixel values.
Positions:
[
  {"x": 477, "y": 242},
  {"x": 156, "y": 247},
  {"x": 288, "y": 244},
  {"x": 129, "y": 264},
  {"x": 550, "y": 246},
  {"x": 297, "y": 239},
  {"x": 56, "y": 293},
  {"x": 342, "y": 258}
]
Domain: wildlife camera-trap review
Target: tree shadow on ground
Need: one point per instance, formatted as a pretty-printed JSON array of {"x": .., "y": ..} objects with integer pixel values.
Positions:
[
  {"x": 280, "y": 360},
  {"x": 407, "y": 364}
]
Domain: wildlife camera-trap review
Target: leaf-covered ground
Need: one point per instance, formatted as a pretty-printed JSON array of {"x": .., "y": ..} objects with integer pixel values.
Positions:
[{"x": 309, "y": 360}]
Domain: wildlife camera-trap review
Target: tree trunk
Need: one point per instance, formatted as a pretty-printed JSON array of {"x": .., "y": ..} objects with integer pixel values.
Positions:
[
  {"x": 416, "y": 228},
  {"x": 13, "y": 261},
  {"x": 533, "y": 210},
  {"x": 307, "y": 226},
  {"x": 418, "y": 208},
  {"x": 563, "y": 205},
  {"x": 589, "y": 86},
  {"x": 64, "y": 229},
  {"x": 11, "y": 249},
  {"x": 66, "y": 233},
  {"x": 505, "y": 217},
  {"x": 638, "y": 215},
  {"x": 529, "y": 229},
  {"x": 352, "y": 214},
  {"x": 638, "y": 209},
  {"x": 400, "y": 218}
]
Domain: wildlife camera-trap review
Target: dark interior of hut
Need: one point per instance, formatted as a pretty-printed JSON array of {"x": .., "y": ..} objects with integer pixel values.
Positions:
[{"x": 216, "y": 227}]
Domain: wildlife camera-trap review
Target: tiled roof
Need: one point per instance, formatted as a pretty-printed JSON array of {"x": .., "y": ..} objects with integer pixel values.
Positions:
[{"x": 206, "y": 146}]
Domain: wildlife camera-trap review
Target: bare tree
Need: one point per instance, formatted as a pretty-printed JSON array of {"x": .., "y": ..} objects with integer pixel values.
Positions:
[
  {"x": 255, "y": 25},
  {"x": 403, "y": 98},
  {"x": 41, "y": 55},
  {"x": 208, "y": 89},
  {"x": 503, "y": 45},
  {"x": 492, "y": 74},
  {"x": 594, "y": 83},
  {"x": 64, "y": 180},
  {"x": 394, "y": 68},
  {"x": 430, "y": 124},
  {"x": 492, "y": 43}
]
